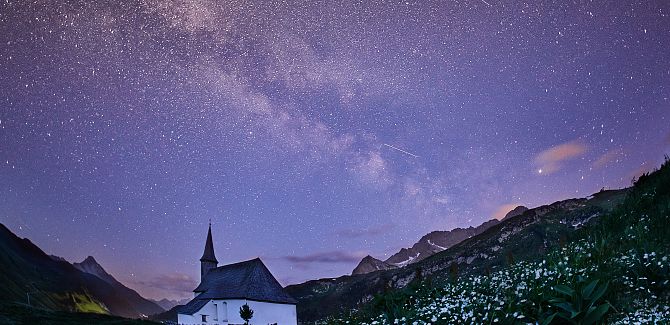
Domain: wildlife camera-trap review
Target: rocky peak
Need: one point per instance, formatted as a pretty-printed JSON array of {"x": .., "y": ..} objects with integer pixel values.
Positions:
[
  {"x": 515, "y": 212},
  {"x": 435, "y": 242},
  {"x": 370, "y": 264},
  {"x": 91, "y": 266}
]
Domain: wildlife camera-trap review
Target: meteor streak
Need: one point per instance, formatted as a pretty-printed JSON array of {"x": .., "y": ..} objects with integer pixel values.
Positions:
[{"x": 398, "y": 149}]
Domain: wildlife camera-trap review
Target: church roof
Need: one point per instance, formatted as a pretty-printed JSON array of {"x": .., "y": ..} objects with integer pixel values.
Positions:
[
  {"x": 208, "y": 254},
  {"x": 244, "y": 280},
  {"x": 192, "y": 307}
]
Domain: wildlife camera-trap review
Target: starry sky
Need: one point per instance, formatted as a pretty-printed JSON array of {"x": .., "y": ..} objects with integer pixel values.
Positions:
[{"x": 312, "y": 133}]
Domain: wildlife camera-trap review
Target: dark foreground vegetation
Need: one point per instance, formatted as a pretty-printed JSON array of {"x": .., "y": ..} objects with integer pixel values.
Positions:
[{"x": 22, "y": 314}]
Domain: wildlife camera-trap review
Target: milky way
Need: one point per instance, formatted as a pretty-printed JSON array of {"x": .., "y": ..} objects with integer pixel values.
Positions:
[{"x": 312, "y": 134}]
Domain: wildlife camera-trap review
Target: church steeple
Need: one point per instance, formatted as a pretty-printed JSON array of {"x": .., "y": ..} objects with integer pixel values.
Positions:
[{"x": 208, "y": 260}]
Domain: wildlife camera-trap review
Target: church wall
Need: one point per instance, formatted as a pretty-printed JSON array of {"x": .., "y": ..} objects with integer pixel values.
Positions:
[
  {"x": 264, "y": 313},
  {"x": 214, "y": 310}
]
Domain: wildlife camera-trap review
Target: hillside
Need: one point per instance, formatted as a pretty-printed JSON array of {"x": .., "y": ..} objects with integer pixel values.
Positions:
[
  {"x": 22, "y": 314},
  {"x": 614, "y": 268},
  {"x": 528, "y": 235},
  {"x": 54, "y": 284}
]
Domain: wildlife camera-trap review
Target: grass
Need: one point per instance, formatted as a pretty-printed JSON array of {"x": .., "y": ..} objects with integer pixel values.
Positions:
[
  {"x": 616, "y": 269},
  {"x": 22, "y": 314},
  {"x": 84, "y": 304}
]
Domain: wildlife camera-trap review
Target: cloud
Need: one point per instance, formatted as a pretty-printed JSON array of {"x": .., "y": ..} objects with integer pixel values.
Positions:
[
  {"x": 366, "y": 232},
  {"x": 330, "y": 257},
  {"x": 173, "y": 285},
  {"x": 551, "y": 160},
  {"x": 607, "y": 157}
]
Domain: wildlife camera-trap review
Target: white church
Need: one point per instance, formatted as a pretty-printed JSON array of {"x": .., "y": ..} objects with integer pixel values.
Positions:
[{"x": 224, "y": 289}]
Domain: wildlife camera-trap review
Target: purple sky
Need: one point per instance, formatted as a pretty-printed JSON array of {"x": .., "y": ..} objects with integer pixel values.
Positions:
[{"x": 312, "y": 133}]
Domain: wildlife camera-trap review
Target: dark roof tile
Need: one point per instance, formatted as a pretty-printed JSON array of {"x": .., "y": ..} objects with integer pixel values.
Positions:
[
  {"x": 192, "y": 307},
  {"x": 244, "y": 280}
]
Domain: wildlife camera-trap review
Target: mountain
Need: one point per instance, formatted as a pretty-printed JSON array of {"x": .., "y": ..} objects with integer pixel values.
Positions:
[
  {"x": 91, "y": 266},
  {"x": 142, "y": 305},
  {"x": 370, "y": 264},
  {"x": 525, "y": 236},
  {"x": 168, "y": 304},
  {"x": 168, "y": 316},
  {"x": 57, "y": 258},
  {"x": 436, "y": 242},
  {"x": 32, "y": 277},
  {"x": 433, "y": 242},
  {"x": 515, "y": 212}
]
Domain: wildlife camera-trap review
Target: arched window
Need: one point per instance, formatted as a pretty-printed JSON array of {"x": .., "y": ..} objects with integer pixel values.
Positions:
[{"x": 223, "y": 311}]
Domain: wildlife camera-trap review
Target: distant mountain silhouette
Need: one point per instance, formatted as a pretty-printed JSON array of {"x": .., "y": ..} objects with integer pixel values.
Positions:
[
  {"x": 168, "y": 304},
  {"x": 515, "y": 212},
  {"x": 52, "y": 283},
  {"x": 370, "y": 264},
  {"x": 428, "y": 245}
]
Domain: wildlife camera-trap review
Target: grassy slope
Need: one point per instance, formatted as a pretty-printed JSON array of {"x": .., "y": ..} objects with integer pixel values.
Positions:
[
  {"x": 626, "y": 248},
  {"x": 27, "y": 269},
  {"x": 22, "y": 314}
]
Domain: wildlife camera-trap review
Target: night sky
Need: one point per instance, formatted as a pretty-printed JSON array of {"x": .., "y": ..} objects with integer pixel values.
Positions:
[{"x": 312, "y": 134}]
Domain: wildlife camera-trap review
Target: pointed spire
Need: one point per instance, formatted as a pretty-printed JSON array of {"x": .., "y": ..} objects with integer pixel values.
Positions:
[{"x": 208, "y": 254}]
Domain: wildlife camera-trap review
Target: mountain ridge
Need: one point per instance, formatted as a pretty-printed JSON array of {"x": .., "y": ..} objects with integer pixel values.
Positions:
[
  {"x": 52, "y": 283},
  {"x": 168, "y": 304},
  {"x": 429, "y": 244},
  {"x": 370, "y": 264},
  {"x": 519, "y": 210}
]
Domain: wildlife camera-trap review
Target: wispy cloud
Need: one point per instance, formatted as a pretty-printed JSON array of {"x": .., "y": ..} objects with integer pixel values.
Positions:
[
  {"x": 330, "y": 257},
  {"x": 608, "y": 157},
  {"x": 366, "y": 232},
  {"x": 551, "y": 160},
  {"x": 172, "y": 286}
]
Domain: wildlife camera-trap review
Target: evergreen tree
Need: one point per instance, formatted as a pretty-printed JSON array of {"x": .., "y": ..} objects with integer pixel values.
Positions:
[{"x": 246, "y": 313}]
